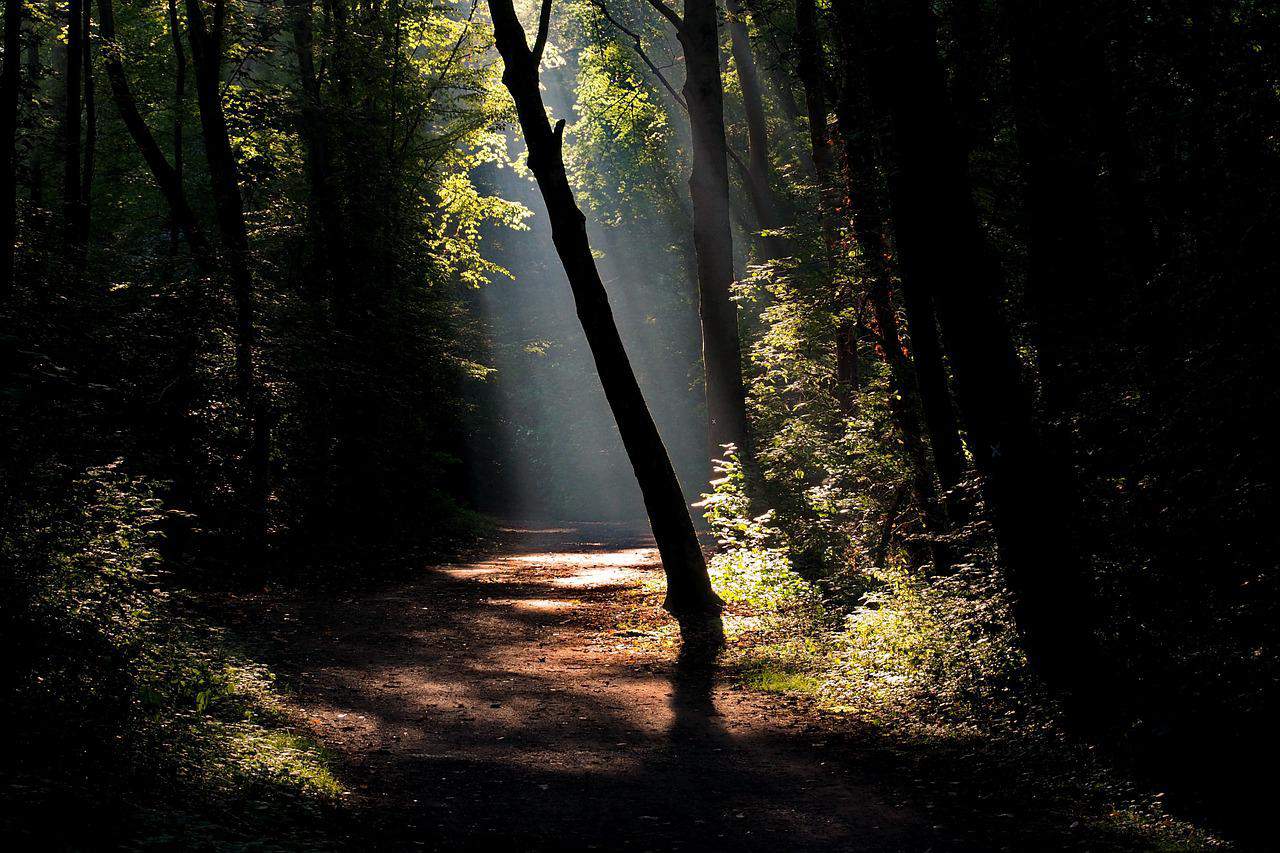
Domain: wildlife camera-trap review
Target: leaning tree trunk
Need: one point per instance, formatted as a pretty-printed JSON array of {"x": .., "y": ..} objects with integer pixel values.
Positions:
[
  {"x": 8, "y": 152},
  {"x": 689, "y": 594},
  {"x": 166, "y": 175},
  {"x": 943, "y": 251}
]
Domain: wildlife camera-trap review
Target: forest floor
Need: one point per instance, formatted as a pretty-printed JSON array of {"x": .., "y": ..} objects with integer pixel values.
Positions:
[{"x": 501, "y": 704}]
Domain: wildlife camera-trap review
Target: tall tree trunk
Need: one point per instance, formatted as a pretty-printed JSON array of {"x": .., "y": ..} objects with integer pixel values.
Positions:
[
  {"x": 319, "y": 160},
  {"x": 943, "y": 251},
  {"x": 689, "y": 594},
  {"x": 179, "y": 89},
  {"x": 712, "y": 234},
  {"x": 167, "y": 177},
  {"x": 867, "y": 207},
  {"x": 970, "y": 80},
  {"x": 1055, "y": 109},
  {"x": 860, "y": 122},
  {"x": 812, "y": 71},
  {"x": 90, "y": 124},
  {"x": 206, "y": 39},
  {"x": 8, "y": 148},
  {"x": 761, "y": 186},
  {"x": 72, "y": 87}
]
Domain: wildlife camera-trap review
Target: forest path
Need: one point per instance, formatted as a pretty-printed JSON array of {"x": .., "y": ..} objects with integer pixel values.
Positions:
[{"x": 492, "y": 705}]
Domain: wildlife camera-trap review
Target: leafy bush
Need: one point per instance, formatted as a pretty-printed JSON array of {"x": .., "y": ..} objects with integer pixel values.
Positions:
[{"x": 117, "y": 680}]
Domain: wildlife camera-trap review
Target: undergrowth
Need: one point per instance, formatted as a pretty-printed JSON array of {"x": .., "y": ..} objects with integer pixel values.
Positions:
[
  {"x": 128, "y": 710},
  {"x": 924, "y": 672}
]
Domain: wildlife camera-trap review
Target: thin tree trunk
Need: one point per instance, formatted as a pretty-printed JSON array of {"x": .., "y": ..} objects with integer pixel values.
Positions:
[
  {"x": 867, "y": 207},
  {"x": 72, "y": 87},
  {"x": 811, "y": 69},
  {"x": 8, "y": 147},
  {"x": 689, "y": 594},
  {"x": 761, "y": 186},
  {"x": 943, "y": 251},
  {"x": 319, "y": 161},
  {"x": 861, "y": 124},
  {"x": 90, "y": 125},
  {"x": 167, "y": 177},
  {"x": 36, "y": 163},
  {"x": 206, "y": 52},
  {"x": 179, "y": 89}
]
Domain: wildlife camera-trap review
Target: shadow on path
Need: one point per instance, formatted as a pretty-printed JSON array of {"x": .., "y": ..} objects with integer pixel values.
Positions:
[{"x": 491, "y": 705}]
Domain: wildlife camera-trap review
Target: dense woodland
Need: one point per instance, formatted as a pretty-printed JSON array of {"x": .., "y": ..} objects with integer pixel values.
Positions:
[{"x": 957, "y": 318}]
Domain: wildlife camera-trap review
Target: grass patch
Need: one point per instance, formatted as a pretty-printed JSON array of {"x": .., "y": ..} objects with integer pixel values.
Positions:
[{"x": 781, "y": 681}]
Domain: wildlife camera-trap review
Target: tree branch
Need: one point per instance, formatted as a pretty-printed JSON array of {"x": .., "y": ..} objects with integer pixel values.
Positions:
[
  {"x": 667, "y": 12},
  {"x": 544, "y": 25},
  {"x": 638, "y": 46}
]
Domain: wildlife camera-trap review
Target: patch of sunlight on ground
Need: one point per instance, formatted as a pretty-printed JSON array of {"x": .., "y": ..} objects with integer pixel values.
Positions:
[
  {"x": 622, "y": 557},
  {"x": 463, "y": 573},
  {"x": 602, "y": 577},
  {"x": 537, "y": 604}
]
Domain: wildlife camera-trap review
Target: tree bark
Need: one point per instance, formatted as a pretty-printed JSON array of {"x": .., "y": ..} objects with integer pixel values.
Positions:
[
  {"x": 971, "y": 64},
  {"x": 867, "y": 208},
  {"x": 943, "y": 252},
  {"x": 90, "y": 124},
  {"x": 712, "y": 233},
  {"x": 72, "y": 85},
  {"x": 179, "y": 89},
  {"x": 768, "y": 209},
  {"x": 166, "y": 176},
  {"x": 205, "y": 38},
  {"x": 1055, "y": 111},
  {"x": 8, "y": 149},
  {"x": 689, "y": 594},
  {"x": 859, "y": 124}
]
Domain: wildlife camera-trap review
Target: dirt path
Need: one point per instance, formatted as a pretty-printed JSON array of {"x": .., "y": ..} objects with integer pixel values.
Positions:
[{"x": 489, "y": 705}]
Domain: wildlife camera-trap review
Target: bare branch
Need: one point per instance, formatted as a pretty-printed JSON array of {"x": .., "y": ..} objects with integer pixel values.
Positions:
[
  {"x": 638, "y": 46},
  {"x": 667, "y": 12},
  {"x": 544, "y": 25}
]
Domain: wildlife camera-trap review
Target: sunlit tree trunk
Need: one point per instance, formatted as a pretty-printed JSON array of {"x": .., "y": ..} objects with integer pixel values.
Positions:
[
  {"x": 8, "y": 135},
  {"x": 206, "y": 39},
  {"x": 689, "y": 593},
  {"x": 943, "y": 251},
  {"x": 703, "y": 91}
]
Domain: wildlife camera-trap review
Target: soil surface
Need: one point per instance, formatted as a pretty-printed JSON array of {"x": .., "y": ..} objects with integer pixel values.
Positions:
[{"x": 495, "y": 705}]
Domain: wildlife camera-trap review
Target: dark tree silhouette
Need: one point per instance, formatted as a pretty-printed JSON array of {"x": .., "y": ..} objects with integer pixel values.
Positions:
[{"x": 689, "y": 594}]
